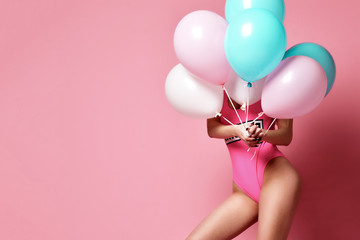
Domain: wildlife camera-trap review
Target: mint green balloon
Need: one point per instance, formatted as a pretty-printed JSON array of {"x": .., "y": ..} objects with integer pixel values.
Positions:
[
  {"x": 319, "y": 54},
  {"x": 235, "y": 7},
  {"x": 255, "y": 43}
]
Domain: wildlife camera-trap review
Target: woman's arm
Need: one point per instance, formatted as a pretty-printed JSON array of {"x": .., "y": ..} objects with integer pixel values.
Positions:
[
  {"x": 282, "y": 135},
  {"x": 216, "y": 129}
]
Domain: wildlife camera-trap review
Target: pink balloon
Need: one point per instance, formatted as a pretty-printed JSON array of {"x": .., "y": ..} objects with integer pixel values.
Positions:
[
  {"x": 199, "y": 46},
  {"x": 294, "y": 88}
]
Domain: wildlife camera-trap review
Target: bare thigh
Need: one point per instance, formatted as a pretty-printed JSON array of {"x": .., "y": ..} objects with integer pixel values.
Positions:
[
  {"x": 279, "y": 196},
  {"x": 228, "y": 220}
]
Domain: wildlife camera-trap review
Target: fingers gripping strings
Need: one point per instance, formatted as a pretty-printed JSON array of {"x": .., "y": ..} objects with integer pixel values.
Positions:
[{"x": 264, "y": 135}]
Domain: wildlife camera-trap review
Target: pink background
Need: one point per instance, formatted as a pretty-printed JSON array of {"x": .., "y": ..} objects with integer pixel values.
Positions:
[{"x": 91, "y": 149}]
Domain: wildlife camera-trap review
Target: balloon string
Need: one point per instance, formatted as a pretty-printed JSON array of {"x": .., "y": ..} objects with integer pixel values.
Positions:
[
  {"x": 249, "y": 85},
  {"x": 253, "y": 155},
  {"x": 259, "y": 115},
  {"x": 257, "y": 160},
  {"x": 227, "y": 120},
  {"x": 232, "y": 104},
  {"x": 247, "y": 101},
  {"x": 270, "y": 126},
  {"x": 262, "y": 144}
]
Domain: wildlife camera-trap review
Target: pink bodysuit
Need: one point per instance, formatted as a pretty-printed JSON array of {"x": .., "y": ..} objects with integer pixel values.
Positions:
[{"x": 248, "y": 174}]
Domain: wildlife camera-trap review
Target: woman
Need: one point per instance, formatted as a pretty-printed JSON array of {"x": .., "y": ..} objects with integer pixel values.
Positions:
[{"x": 266, "y": 187}]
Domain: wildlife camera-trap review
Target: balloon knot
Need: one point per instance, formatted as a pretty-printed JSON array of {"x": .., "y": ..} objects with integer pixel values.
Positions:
[{"x": 249, "y": 84}]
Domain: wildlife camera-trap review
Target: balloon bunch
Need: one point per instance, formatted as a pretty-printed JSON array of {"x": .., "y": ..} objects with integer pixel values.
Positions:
[{"x": 246, "y": 55}]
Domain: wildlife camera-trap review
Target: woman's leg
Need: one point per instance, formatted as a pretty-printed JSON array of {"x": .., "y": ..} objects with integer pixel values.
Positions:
[
  {"x": 279, "y": 196},
  {"x": 228, "y": 220}
]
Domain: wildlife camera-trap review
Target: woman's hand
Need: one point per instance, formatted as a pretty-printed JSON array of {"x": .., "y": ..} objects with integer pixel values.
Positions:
[
  {"x": 256, "y": 132},
  {"x": 249, "y": 136}
]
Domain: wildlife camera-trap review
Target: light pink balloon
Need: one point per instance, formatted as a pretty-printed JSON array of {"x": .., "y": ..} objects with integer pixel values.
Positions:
[
  {"x": 199, "y": 46},
  {"x": 294, "y": 88}
]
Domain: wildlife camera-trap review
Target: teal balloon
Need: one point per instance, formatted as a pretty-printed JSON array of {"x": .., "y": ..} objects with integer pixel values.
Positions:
[
  {"x": 255, "y": 43},
  {"x": 235, "y": 7},
  {"x": 318, "y": 53}
]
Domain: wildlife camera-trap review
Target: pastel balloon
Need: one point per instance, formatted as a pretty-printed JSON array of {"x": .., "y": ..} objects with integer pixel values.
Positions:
[
  {"x": 235, "y": 7},
  {"x": 255, "y": 43},
  {"x": 321, "y": 55},
  {"x": 199, "y": 46},
  {"x": 294, "y": 88},
  {"x": 191, "y": 96},
  {"x": 239, "y": 91}
]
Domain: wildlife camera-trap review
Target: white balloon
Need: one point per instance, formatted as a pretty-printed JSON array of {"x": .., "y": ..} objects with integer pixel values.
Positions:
[
  {"x": 192, "y": 96},
  {"x": 239, "y": 91}
]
